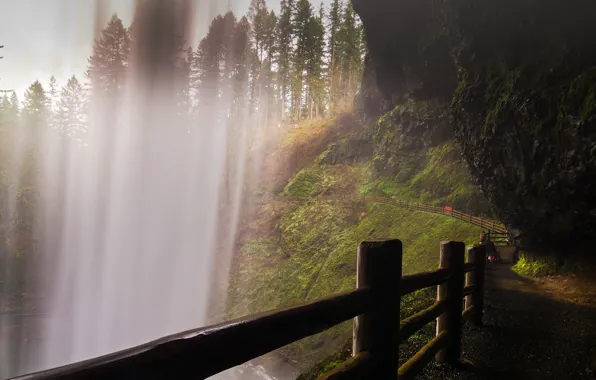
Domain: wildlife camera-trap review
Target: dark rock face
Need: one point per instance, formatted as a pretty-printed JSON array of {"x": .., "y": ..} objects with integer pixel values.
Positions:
[
  {"x": 521, "y": 79},
  {"x": 408, "y": 48}
]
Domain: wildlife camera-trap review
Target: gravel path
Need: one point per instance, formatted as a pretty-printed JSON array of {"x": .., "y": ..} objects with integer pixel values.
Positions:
[{"x": 527, "y": 335}]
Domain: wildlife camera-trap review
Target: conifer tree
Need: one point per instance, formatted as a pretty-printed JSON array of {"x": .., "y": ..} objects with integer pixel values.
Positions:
[
  {"x": 258, "y": 17},
  {"x": 108, "y": 64},
  {"x": 240, "y": 73},
  {"x": 213, "y": 66},
  {"x": 334, "y": 50},
  {"x": 350, "y": 49},
  {"x": 315, "y": 65},
  {"x": 34, "y": 120},
  {"x": 302, "y": 24},
  {"x": 71, "y": 112},
  {"x": 9, "y": 111},
  {"x": 4, "y": 111},
  {"x": 35, "y": 105},
  {"x": 182, "y": 90},
  {"x": 52, "y": 101},
  {"x": 14, "y": 102},
  {"x": 268, "y": 75},
  {"x": 52, "y": 92},
  {"x": 285, "y": 50}
]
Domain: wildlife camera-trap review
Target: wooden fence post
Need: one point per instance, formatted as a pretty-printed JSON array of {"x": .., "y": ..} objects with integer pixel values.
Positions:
[
  {"x": 452, "y": 258},
  {"x": 476, "y": 255},
  {"x": 379, "y": 268}
]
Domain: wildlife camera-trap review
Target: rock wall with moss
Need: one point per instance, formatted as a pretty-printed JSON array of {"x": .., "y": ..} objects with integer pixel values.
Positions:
[{"x": 518, "y": 78}]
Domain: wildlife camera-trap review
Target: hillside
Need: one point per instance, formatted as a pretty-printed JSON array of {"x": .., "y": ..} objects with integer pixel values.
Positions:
[{"x": 290, "y": 252}]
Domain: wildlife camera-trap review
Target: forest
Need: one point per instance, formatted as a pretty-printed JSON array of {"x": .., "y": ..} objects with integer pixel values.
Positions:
[
  {"x": 301, "y": 64},
  {"x": 267, "y": 70}
]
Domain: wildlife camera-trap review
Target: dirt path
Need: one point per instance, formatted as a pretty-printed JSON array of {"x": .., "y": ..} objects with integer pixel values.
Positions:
[{"x": 528, "y": 334}]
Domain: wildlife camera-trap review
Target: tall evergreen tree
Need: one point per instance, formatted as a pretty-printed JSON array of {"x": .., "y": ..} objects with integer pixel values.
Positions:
[
  {"x": 285, "y": 50},
  {"x": 302, "y": 22},
  {"x": 315, "y": 65},
  {"x": 213, "y": 63},
  {"x": 258, "y": 17},
  {"x": 268, "y": 75},
  {"x": 334, "y": 50},
  {"x": 71, "y": 115},
  {"x": 240, "y": 71},
  {"x": 34, "y": 120},
  {"x": 53, "y": 99},
  {"x": 9, "y": 111},
  {"x": 15, "y": 104},
  {"x": 182, "y": 77},
  {"x": 35, "y": 105},
  {"x": 110, "y": 59},
  {"x": 52, "y": 92},
  {"x": 350, "y": 50}
]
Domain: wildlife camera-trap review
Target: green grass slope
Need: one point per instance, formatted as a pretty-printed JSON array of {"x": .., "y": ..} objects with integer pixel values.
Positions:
[
  {"x": 313, "y": 255},
  {"x": 292, "y": 252}
]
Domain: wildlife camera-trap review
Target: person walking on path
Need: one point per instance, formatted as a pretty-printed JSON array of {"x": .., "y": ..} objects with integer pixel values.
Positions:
[{"x": 491, "y": 251}]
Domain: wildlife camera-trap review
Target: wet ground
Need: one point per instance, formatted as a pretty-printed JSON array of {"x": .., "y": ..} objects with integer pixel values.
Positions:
[{"x": 528, "y": 334}]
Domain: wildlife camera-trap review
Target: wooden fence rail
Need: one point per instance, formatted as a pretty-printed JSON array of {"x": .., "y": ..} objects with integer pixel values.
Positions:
[
  {"x": 490, "y": 225},
  {"x": 374, "y": 306}
]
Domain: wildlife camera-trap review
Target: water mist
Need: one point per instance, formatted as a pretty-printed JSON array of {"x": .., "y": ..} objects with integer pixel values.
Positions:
[
  {"x": 130, "y": 212},
  {"x": 141, "y": 210}
]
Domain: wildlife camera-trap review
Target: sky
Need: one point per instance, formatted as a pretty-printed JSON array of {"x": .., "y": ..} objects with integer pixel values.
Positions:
[{"x": 42, "y": 38}]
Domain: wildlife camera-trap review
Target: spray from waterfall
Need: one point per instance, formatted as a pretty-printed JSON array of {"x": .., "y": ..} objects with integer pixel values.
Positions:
[{"x": 134, "y": 210}]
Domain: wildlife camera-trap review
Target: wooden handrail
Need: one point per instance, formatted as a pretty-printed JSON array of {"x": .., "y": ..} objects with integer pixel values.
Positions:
[
  {"x": 357, "y": 367},
  {"x": 451, "y": 292},
  {"x": 469, "y": 290},
  {"x": 423, "y": 280},
  {"x": 207, "y": 351},
  {"x": 374, "y": 305},
  {"x": 469, "y": 267},
  {"x": 411, "y": 325},
  {"x": 467, "y": 313},
  {"x": 411, "y": 368}
]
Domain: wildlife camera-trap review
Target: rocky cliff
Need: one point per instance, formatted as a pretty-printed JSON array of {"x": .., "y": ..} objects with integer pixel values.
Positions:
[{"x": 520, "y": 78}]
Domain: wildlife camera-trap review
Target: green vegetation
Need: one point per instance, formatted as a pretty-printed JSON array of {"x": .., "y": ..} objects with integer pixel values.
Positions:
[
  {"x": 314, "y": 255},
  {"x": 300, "y": 251},
  {"x": 529, "y": 266}
]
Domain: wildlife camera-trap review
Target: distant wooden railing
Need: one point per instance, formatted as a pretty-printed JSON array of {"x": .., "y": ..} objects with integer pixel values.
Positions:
[
  {"x": 499, "y": 238},
  {"x": 374, "y": 305},
  {"x": 490, "y": 225}
]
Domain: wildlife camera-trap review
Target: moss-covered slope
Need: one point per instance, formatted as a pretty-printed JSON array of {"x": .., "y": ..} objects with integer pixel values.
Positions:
[{"x": 291, "y": 252}]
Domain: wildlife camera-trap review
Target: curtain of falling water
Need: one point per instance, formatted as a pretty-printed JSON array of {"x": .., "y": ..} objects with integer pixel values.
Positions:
[
  {"x": 127, "y": 223},
  {"x": 139, "y": 209}
]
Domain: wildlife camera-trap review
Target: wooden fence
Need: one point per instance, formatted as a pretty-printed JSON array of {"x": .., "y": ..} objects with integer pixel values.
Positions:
[
  {"x": 488, "y": 224},
  {"x": 374, "y": 305}
]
